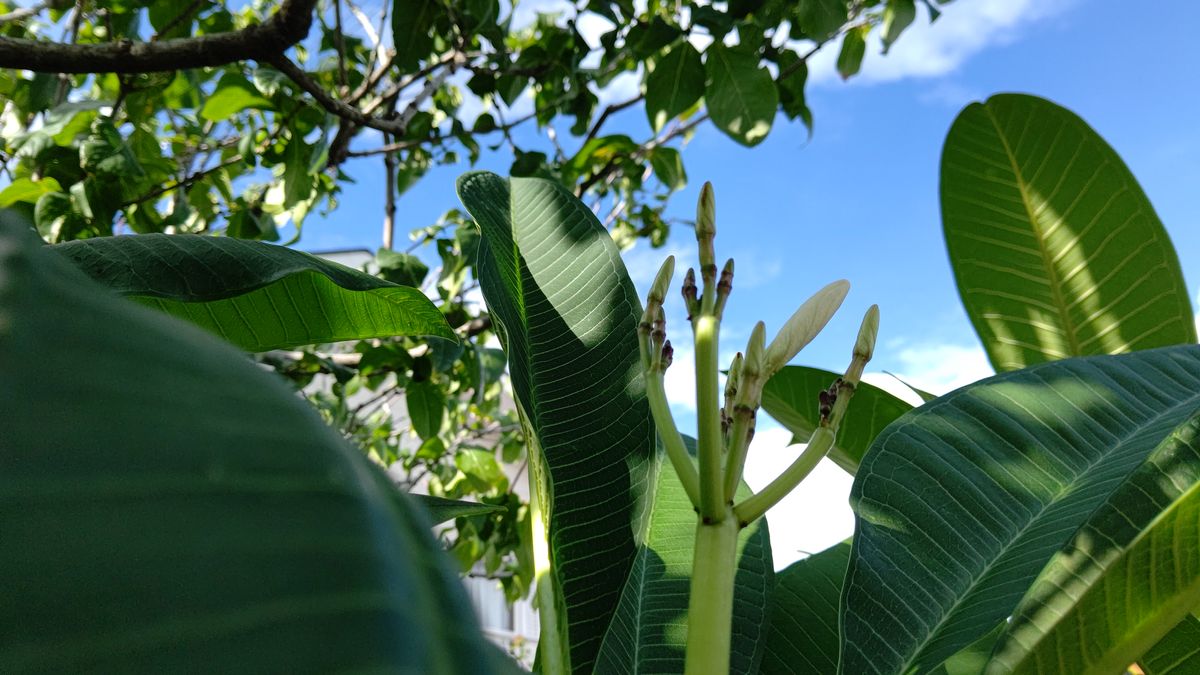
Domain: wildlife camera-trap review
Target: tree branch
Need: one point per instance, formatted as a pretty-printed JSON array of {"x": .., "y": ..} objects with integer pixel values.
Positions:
[
  {"x": 24, "y": 13},
  {"x": 326, "y": 100},
  {"x": 258, "y": 42}
]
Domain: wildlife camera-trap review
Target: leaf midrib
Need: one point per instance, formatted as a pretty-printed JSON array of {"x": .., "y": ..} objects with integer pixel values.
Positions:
[
  {"x": 1055, "y": 283},
  {"x": 1057, "y": 499}
]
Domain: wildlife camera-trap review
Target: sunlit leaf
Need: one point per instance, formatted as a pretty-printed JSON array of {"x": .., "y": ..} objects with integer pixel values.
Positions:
[
  {"x": 740, "y": 95},
  {"x": 1123, "y": 580},
  {"x": 256, "y": 295},
  {"x": 961, "y": 502},
  {"x": 1056, "y": 250}
]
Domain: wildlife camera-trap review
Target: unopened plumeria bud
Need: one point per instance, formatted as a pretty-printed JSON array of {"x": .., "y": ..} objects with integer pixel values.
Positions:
[
  {"x": 733, "y": 378},
  {"x": 864, "y": 346},
  {"x": 658, "y": 329},
  {"x": 658, "y": 290},
  {"x": 724, "y": 287},
  {"x": 706, "y": 231},
  {"x": 733, "y": 381},
  {"x": 691, "y": 293},
  {"x": 804, "y": 325},
  {"x": 752, "y": 363},
  {"x": 668, "y": 355},
  {"x": 867, "y": 332},
  {"x": 706, "y": 213}
]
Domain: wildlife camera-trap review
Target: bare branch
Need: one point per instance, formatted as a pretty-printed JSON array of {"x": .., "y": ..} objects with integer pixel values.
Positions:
[
  {"x": 326, "y": 100},
  {"x": 23, "y": 13},
  {"x": 614, "y": 108},
  {"x": 259, "y": 42}
]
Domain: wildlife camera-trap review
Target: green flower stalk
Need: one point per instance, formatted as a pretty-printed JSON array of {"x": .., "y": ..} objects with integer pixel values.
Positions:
[{"x": 725, "y": 429}]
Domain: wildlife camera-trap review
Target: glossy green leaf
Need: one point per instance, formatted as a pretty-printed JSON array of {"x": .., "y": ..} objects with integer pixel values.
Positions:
[
  {"x": 961, "y": 503},
  {"x": 234, "y": 93},
  {"x": 675, "y": 84},
  {"x": 567, "y": 315},
  {"x": 648, "y": 633},
  {"x": 793, "y": 75},
  {"x": 854, "y": 48},
  {"x": 441, "y": 509},
  {"x": 481, "y": 468},
  {"x": 412, "y": 26},
  {"x": 26, "y": 190},
  {"x": 257, "y": 296},
  {"x": 1123, "y": 580},
  {"x": 1056, "y": 250},
  {"x": 426, "y": 406},
  {"x": 668, "y": 166},
  {"x": 804, "y": 615},
  {"x": 1176, "y": 654},
  {"x": 740, "y": 95},
  {"x": 821, "y": 19},
  {"x": 401, "y": 268},
  {"x": 898, "y": 15},
  {"x": 170, "y": 507},
  {"x": 790, "y": 396}
]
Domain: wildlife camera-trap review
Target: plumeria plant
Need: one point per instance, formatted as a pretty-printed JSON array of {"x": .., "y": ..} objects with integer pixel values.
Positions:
[{"x": 725, "y": 429}]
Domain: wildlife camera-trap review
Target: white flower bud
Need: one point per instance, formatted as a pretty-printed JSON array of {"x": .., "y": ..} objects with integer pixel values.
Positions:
[{"x": 804, "y": 325}]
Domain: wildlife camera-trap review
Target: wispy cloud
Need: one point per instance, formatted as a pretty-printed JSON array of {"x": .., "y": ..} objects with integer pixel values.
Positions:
[
  {"x": 941, "y": 367},
  {"x": 933, "y": 50}
]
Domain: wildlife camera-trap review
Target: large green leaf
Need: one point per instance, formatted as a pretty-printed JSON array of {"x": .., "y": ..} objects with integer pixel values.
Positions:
[
  {"x": 648, "y": 633},
  {"x": 256, "y": 295},
  {"x": 1176, "y": 654},
  {"x": 790, "y": 396},
  {"x": 169, "y": 507},
  {"x": 1056, "y": 250},
  {"x": 961, "y": 502},
  {"x": 741, "y": 96},
  {"x": 1123, "y": 580},
  {"x": 804, "y": 614},
  {"x": 675, "y": 84},
  {"x": 567, "y": 315}
]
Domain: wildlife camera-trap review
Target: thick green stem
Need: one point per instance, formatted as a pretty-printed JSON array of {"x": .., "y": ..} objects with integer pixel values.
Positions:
[
  {"x": 710, "y": 439},
  {"x": 756, "y": 505},
  {"x": 710, "y": 609},
  {"x": 671, "y": 439}
]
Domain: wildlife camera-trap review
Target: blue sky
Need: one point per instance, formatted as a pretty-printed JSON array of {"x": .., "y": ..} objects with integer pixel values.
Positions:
[{"x": 859, "y": 200}]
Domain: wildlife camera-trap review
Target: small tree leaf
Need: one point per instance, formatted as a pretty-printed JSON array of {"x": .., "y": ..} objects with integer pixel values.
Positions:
[
  {"x": 741, "y": 95},
  {"x": 412, "y": 26},
  {"x": 854, "y": 47},
  {"x": 234, "y": 93},
  {"x": 426, "y": 405},
  {"x": 675, "y": 84}
]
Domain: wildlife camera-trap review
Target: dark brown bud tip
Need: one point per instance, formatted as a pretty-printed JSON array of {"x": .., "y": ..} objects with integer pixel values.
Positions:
[{"x": 668, "y": 354}]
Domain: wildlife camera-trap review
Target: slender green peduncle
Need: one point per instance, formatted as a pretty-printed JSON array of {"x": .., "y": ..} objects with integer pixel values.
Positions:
[{"x": 833, "y": 408}]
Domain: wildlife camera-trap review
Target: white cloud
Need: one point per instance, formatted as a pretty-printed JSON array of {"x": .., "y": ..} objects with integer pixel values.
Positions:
[
  {"x": 816, "y": 515},
  {"x": 931, "y": 50},
  {"x": 939, "y": 368}
]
